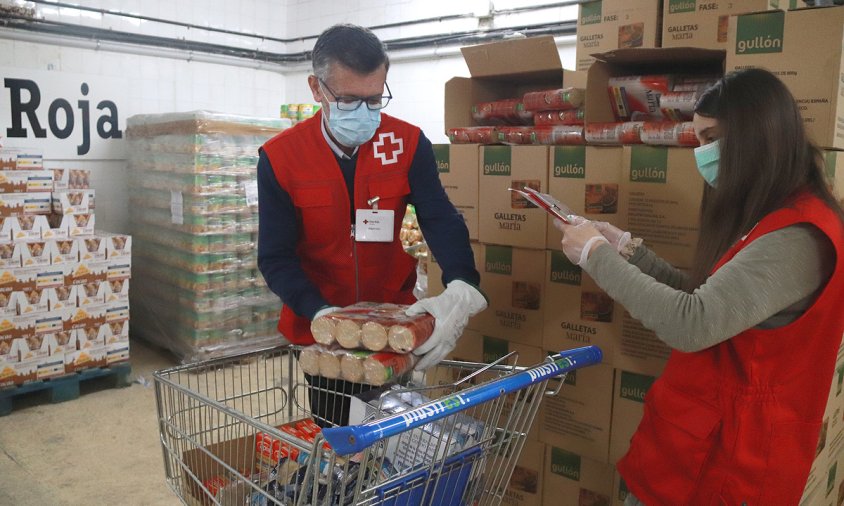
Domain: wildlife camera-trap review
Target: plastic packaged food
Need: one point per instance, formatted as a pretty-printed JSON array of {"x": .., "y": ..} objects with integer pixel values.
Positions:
[
  {"x": 558, "y": 135},
  {"x": 515, "y": 135},
  {"x": 636, "y": 98},
  {"x": 678, "y": 105},
  {"x": 509, "y": 111},
  {"x": 381, "y": 368},
  {"x": 669, "y": 134},
  {"x": 614, "y": 134},
  {"x": 558, "y": 99},
  {"x": 569, "y": 117},
  {"x": 369, "y": 325},
  {"x": 473, "y": 135}
]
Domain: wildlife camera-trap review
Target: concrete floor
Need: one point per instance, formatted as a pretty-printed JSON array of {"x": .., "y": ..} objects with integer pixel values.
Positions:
[{"x": 102, "y": 448}]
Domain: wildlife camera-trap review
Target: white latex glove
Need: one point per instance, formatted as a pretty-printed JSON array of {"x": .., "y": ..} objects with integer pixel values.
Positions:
[
  {"x": 618, "y": 238},
  {"x": 578, "y": 240},
  {"x": 451, "y": 311},
  {"x": 324, "y": 311}
]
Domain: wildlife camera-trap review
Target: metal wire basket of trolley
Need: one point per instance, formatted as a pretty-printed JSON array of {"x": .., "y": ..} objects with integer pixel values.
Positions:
[{"x": 240, "y": 431}]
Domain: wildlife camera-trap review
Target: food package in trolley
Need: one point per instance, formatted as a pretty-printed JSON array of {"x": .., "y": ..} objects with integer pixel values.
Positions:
[
  {"x": 421, "y": 446},
  {"x": 373, "y": 326},
  {"x": 358, "y": 366}
]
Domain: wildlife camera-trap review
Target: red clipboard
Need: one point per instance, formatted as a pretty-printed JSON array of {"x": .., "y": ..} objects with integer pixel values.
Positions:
[{"x": 545, "y": 201}]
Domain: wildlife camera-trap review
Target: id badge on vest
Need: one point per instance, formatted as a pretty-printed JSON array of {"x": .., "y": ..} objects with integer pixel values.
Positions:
[{"x": 374, "y": 225}]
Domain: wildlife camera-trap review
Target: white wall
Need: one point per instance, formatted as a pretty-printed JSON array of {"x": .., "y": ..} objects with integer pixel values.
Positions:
[{"x": 146, "y": 83}]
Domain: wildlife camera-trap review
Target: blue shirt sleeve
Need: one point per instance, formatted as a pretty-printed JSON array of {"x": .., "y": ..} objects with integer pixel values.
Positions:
[
  {"x": 442, "y": 226},
  {"x": 277, "y": 238}
]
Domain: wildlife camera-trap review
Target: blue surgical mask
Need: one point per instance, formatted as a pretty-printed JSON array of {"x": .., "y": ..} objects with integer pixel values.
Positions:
[
  {"x": 352, "y": 128},
  {"x": 707, "y": 158}
]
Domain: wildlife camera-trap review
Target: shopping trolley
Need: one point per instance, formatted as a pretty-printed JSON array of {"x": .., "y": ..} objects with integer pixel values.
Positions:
[{"x": 240, "y": 431}]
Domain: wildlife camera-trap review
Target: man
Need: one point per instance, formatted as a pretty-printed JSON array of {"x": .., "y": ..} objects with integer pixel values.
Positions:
[{"x": 321, "y": 186}]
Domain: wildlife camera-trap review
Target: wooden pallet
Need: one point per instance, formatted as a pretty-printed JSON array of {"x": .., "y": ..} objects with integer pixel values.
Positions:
[{"x": 66, "y": 388}]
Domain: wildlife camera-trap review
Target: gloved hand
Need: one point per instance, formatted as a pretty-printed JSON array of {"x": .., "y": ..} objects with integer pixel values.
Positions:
[
  {"x": 324, "y": 311},
  {"x": 578, "y": 240},
  {"x": 618, "y": 238},
  {"x": 451, "y": 310}
]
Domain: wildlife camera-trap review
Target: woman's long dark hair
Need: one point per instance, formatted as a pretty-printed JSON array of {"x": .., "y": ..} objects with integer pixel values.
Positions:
[{"x": 766, "y": 158}]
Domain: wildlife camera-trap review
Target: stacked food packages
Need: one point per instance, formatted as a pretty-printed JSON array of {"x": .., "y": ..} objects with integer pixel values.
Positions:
[
  {"x": 552, "y": 117},
  {"x": 366, "y": 343},
  {"x": 298, "y": 112},
  {"x": 64, "y": 287},
  {"x": 194, "y": 217},
  {"x": 651, "y": 109}
]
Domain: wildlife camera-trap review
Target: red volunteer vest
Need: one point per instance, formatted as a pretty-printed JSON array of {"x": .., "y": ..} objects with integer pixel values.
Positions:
[
  {"x": 739, "y": 423},
  {"x": 344, "y": 270}
]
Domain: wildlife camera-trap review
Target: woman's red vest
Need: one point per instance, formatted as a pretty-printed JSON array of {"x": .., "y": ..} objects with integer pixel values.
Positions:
[
  {"x": 344, "y": 270},
  {"x": 739, "y": 423}
]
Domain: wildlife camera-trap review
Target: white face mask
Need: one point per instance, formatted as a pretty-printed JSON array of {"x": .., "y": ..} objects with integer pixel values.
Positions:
[{"x": 353, "y": 128}]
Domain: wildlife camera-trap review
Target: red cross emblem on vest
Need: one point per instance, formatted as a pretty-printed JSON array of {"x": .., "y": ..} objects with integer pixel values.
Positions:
[{"x": 387, "y": 148}]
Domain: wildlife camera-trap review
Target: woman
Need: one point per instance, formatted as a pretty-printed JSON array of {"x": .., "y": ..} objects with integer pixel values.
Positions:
[{"x": 754, "y": 329}]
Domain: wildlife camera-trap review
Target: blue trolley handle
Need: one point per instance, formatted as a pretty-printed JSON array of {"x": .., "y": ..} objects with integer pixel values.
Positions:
[{"x": 355, "y": 438}]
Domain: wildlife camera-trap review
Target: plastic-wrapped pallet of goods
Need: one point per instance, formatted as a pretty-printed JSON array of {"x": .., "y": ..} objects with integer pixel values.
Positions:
[{"x": 195, "y": 220}]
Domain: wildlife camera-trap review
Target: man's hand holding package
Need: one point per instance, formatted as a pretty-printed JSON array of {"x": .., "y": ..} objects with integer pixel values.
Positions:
[
  {"x": 451, "y": 311},
  {"x": 579, "y": 240}
]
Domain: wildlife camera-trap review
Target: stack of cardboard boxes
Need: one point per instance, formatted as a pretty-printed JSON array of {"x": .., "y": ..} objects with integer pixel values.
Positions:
[
  {"x": 539, "y": 301},
  {"x": 64, "y": 288}
]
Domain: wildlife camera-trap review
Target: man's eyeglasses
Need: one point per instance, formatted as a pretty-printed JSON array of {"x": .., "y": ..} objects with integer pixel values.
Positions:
[{"x": 373, "y": 103}]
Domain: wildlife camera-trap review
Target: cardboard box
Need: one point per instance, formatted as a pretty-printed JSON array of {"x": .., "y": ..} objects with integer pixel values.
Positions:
[
  {"x": 457, "y": 165},
  {"x": 119, "y": 245},
  {"x": 86, "y": 350},
  {"x": 21, "y": 159},
  {"x": 612, "y": 24},
  {"x": 834, "y": 166},
  {"x": 638, "y": 349},
  {"x": 705, "y": 23},
  {"x": 25, "y": 181},
  {"x": 17, "y": 326},
  {"x": 63, "y": 297},
  {"x": 36, "y": 300},
  {"x": 435, "y": 273},
  {"x": 572, "y": 479},
  {"x": 803, "y": 48},
  {"x": 49, "y": 322},
  {"x": 24, "y": 228},
  {"x": 512, "y": 279},
  {"x": 81, "y": 225},
  {"x": 24, "y": 204},
  {"x": 14, "y": 370},
  {"x": 578, "y": 418},
  {"x": 35, "y": 254},
  {"x": 117, "y": 290},
  {"x": 58, "y": 227},
  {"x": 85, "y": 272},
  {"x": 71, "y": 202},
  {"x": 64, "y": 251},
  {"x": 583, "y": 314},
  {"x": 506, "y": 217},
  {"x": 119, "y": 268},
  {"x": 527, "y": 481},
  {"x": 52, "y": 365},
  {"x": 92, "y": 293},
  {"x": 17, "y": 279},
  {"x": 619, "y": 491},
  {"x": 663, "y": 191},
  {"x": 71, "y": 179},
  {"x": 627, "y": 409},
  {"x": 505, "y": 69},
  {"x": 116, "y": 336},
  {"x": 92, "y": 248},
  {"x": 89, "y": 316},
  {"x": 117, "y": 311},
  {"x": 52, "y": 276},
  {"x": 10, "y": 255},
  {"x": 585, "y": 178},
  {"x": 631, "y": 62}
]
